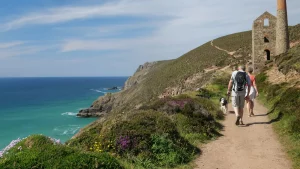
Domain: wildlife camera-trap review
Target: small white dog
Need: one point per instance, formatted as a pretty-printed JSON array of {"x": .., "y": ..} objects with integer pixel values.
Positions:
[{"x": 224, "y": 105}]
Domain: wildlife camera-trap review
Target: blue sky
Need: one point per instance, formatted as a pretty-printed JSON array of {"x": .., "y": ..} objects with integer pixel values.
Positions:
[{"x": 112, "y": 37}]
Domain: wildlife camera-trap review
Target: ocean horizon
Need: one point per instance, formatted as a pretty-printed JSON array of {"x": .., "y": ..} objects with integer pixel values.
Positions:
[{"x": 48, "y": 105}]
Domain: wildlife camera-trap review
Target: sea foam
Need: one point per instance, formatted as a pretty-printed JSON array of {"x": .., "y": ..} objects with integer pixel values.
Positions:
[
  {"x": 98, "y": 91},
  {"x": 66, "y": 130},
  {"x": 69, "y": 114}
]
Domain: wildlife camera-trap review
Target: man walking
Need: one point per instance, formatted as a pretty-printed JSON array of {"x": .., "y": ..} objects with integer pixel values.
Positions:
[{"x": 237, "y": 88}]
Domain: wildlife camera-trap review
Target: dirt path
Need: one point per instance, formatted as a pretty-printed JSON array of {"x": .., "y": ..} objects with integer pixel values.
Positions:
[
  {"x": 229, "y": 53},
  {"x": 253, "y": 146}
]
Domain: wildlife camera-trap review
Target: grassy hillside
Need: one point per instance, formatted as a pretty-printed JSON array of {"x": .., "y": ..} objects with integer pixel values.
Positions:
[
  {"x": 163, "y": 134},
  {"x": 289, "y": 61},
  {"x": 174, "y": 73},
  {"x": 284, "y": 100},
  {"x": 294, "y": 33},
  {"x": 40, "y": 152}
]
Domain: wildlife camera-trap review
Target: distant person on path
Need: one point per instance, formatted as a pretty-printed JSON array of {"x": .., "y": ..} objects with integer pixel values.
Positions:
[
  {"x": 253, "y": 92},
  {"x": 238, "y": 83}
]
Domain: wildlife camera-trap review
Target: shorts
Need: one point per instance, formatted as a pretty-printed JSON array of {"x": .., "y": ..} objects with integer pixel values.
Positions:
[
  {"x": 252, "y": 94},
  {"x": 238, "y": 101}
]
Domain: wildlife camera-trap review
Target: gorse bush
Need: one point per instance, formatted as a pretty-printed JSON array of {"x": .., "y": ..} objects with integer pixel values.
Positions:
[
  {"x": 195, "y": 118},
  {"x": 161, "y": 134},
  {"x": 136, "y": 138},
  {"x": 40, "y": 152}
]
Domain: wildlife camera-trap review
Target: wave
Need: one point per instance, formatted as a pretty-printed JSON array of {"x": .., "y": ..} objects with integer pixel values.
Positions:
[
  {"x": 98, "y": 91},
  {"x": 118, "y": 88},
  {"x": 69, "y": 114},
  {"x": 66, "y": 130}
]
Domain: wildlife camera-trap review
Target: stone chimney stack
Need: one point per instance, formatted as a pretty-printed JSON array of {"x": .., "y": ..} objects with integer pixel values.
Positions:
[{"x": 282, "y": 31}]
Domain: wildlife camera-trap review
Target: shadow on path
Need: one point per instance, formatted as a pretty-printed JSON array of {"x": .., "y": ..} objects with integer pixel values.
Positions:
[
  {"x": 279, "y": 117},
  {"x": 270, "y": 112}
]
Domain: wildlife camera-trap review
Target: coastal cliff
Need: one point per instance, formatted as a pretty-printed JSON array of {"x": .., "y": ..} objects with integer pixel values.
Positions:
[
  {"x": 139, "y": 75},
  {"x": 105, "y": 104}
]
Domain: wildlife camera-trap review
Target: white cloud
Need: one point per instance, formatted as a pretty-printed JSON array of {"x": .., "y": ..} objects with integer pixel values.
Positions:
[
  {"x": 189, "y": 22},
  {"x": 10, "y": 44},
  {"x": 23, "y": 50},
  {"x": 176, "y": 25}
]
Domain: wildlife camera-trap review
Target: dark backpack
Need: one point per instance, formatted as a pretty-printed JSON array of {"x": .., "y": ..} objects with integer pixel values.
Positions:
[{"x": 240, "y": 80}]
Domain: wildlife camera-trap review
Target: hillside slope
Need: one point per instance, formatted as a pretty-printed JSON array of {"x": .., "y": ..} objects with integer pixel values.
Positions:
[
  {"x": 280, "y": 88},
  {"x": 187, "y": 73}
]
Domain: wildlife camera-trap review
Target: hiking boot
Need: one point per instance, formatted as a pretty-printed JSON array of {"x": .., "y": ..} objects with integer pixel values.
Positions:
[{"x": 237, "y": 120}]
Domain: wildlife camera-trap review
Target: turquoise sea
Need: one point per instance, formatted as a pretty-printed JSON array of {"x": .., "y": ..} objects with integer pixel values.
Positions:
[{"x": 48, "y": 106}]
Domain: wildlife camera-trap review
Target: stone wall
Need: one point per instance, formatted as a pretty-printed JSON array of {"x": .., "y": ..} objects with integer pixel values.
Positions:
[{"x": 263, "y": 38}]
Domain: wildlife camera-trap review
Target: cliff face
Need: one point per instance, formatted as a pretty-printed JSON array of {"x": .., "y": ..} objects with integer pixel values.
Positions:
[
  {"x": 105, "y": 104},
  {"x": 139, "y": 75}
]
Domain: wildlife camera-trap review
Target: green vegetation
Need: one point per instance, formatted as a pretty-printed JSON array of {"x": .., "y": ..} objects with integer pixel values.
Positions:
[
  {"x": 40, "y": 152},
  {"x": 163, "y": 134},
  {"x": 175, "y": 72},
  {"x": 289, "y": 61},
  {"x": 294, "y": 33},
  {"x": 236, "y": 41},
  {"x": 284, "y": 101}
]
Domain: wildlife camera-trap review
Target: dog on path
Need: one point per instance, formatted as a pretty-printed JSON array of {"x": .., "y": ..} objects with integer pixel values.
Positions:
[{"x": 224, "y": 105}]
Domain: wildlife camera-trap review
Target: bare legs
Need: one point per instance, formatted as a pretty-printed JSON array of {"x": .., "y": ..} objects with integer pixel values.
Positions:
[
  {"x": 250, "y": 106},
  {"x": 239, "y": 112}
]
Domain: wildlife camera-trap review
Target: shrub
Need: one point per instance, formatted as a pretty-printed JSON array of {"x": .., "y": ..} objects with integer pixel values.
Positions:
[
  {"x": 40, "y": 152},
  {"x": 284, "y": 101},
  {"x": 136, "y": 139}
]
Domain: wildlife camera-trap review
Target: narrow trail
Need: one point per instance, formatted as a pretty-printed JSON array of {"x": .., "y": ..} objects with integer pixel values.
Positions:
[
  {"x": 253, "y": 146},
  {"x": 228, "y": 52}
]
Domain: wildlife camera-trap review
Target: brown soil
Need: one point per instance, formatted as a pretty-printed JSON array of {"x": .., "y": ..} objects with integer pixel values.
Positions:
[
  {"x": 253, "y": 146},
  {"x": 277, "y": 77}
]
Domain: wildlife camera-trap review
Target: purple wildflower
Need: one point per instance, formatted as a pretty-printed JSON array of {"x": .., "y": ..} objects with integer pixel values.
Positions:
[
  {"x": 123, "y": 142},
  {"x": 179, "y": 103}
]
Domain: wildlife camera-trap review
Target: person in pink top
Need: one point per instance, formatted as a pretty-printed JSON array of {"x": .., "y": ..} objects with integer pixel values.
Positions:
[{"x": 253, "y": 92}]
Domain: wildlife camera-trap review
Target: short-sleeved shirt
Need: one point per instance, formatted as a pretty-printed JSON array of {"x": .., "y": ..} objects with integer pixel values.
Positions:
[{"x": 234, "y": 88}]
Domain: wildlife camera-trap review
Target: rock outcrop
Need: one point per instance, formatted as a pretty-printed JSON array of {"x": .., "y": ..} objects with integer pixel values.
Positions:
[
  {"x": 99, "y": 108},
  {"x": 139, "y": 75},
  {"x": 107, "y": 103}
]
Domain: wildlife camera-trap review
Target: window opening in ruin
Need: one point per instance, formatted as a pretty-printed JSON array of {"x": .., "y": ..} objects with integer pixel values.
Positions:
[
  {"x": 266, "y": 22},
  {"x": 266, "y": 40},
  {"x": 268, "y": 54}
]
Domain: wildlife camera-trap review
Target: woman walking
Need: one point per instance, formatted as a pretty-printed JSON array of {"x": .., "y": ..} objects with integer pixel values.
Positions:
[{"x": 253, "y": 92}]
